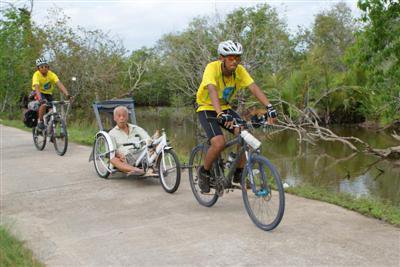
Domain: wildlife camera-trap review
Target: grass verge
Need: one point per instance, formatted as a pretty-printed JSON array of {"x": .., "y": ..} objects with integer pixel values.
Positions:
[
  {"x": 375, "y": 208},
  {"x": 367, "y": 206},
  {"x": 13, "y": 252},
  {"x": 76, "y": 133}
]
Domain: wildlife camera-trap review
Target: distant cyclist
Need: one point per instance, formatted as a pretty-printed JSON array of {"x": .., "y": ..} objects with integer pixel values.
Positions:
[
  {"x": 43, "y": 82},
  {"x": 221, "y": 81}
]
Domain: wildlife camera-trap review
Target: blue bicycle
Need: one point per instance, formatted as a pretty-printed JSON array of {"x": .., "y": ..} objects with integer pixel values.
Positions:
[{"x": 261, "y": 186}]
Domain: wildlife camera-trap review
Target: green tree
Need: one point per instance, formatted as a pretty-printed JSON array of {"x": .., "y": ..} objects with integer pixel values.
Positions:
[
  {"x": 320, "y": 81},
  {"x": 376, "y": 55},
  {"x": 18, "y": 49}
]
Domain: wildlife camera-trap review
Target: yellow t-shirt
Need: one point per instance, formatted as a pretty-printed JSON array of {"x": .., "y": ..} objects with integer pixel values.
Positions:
[
  {"x": 46, "y": 83},
  {"x": 226, "y": 87}
]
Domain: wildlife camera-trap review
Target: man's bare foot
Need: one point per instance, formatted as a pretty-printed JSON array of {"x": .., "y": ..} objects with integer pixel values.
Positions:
[{"x": 136, "y": 171}]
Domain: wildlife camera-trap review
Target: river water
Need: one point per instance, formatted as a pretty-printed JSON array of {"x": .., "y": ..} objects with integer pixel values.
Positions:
[{"x": 329, "y": 165}]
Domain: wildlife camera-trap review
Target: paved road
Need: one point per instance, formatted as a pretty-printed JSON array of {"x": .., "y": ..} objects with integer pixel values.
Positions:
[{"x": 70, "y": 217}]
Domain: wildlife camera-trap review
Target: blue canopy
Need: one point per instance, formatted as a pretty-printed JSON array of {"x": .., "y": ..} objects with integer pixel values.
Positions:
[{"x": 108, "y": 106}]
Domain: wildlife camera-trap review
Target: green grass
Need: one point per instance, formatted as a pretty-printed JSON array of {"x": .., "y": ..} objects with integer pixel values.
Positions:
[
  {"x": 15, "y": 123},
  {"x": 82, "y": 134},
  {"x": 375, "y": 208},
  {"x": 370, "y": 207},
  {"x": 13, "y": 252},
  {"x": 76, "y": 133}
]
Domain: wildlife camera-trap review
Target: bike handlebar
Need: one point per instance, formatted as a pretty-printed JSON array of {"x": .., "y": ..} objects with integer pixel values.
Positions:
[
  {"x": 247, "y": 124},
  {"x": 61, "y": 102},
  {"x": 135, "y": 144}
]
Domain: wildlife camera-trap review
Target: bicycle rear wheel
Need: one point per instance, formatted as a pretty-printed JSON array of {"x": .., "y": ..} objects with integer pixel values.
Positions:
[
  {"x": 60, "y": 136},
  {"x": 39, "y": 138},
  {"x": 266, "y": 205},
  {"x": 169, "y": 170},
  {"x": 196, "y": 160}
]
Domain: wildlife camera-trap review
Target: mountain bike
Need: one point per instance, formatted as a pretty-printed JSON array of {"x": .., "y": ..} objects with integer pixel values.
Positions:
[
  {"x": 261, "y": 186},
  {"x": 55, "y": 128}
]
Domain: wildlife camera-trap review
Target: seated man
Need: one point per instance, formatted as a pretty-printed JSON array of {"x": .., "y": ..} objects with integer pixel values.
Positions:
[{"x": 123, "y": 133}]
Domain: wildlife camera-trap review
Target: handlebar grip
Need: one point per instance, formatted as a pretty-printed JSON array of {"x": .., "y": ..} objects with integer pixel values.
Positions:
[
  {"x": 62, "y": 102},
  {"x": 128, "y": 144}
]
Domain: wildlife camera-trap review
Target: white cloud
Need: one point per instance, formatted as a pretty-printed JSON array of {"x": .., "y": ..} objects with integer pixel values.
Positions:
[{"x": 142, "y": 23}]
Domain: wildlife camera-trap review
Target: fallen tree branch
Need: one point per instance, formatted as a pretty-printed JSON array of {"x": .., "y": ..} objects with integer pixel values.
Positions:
[{"x": 308, "y": 130}]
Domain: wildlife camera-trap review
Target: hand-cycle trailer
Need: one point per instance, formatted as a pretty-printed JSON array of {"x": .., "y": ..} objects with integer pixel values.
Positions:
[{"x": 157, "y": 158}]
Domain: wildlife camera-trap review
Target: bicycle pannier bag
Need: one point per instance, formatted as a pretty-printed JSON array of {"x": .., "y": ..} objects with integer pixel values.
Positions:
[{"x": 30, "y": 118}]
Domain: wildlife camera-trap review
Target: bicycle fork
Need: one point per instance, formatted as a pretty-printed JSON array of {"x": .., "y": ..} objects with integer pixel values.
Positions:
[{"x": 264, "y": 190}]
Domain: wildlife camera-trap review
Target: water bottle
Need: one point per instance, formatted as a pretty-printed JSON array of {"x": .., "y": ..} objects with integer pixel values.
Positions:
[{"x": 250, "y": 139}]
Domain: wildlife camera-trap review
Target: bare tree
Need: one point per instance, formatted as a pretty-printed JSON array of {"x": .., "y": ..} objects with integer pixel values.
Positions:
[{"x": 134, "y": 75}]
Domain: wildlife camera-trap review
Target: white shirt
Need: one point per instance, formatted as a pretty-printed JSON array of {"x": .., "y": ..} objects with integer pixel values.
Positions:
[{"x": 119, "y": 137}]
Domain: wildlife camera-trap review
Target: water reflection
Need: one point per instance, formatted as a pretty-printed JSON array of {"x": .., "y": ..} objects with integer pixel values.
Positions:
[
  {"x": 327, "y": 164},
  {"x": 359, "y": 186}
]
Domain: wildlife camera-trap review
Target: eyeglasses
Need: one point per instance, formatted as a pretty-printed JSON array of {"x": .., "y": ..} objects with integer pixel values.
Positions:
[
  {"x": 44, "y": 66},
  {"x": 233, "y": 57}
]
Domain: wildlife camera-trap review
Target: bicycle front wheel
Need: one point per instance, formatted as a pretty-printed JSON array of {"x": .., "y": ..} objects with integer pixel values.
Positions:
[
  {"x": 196, "y": 160},
  {"x": 39, "y": 138},
  {"x": 102, "y": 156},
  {"x": 60, "y": 136},
  {"x": 169, "y": 170},
  {"x": 266, "y": 204}
]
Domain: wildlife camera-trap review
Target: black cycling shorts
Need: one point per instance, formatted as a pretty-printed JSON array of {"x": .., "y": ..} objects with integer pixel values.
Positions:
[
  {"x": 208, "y": 120},
  {"x": 48, "y": 97}
]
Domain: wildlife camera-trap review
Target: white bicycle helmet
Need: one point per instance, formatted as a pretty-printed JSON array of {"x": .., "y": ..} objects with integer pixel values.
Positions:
[
  {"x": 41, "y": 61},
  {"x": 230, "y": 48}
]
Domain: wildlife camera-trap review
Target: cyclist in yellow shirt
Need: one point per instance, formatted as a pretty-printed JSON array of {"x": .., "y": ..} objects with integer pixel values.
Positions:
[
  {"x": 43, "y": 82},
  {"x": 221, "y": 80}
]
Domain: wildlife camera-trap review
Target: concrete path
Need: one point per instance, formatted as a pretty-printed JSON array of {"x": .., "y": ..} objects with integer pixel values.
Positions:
[{"x": 70, "y": 217}]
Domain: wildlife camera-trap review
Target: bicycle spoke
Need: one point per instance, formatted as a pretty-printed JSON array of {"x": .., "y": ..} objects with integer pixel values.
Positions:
[
  {"x": 265, "y": 206},
  {"x": 60, "y": 136},
  {"x": 196, "y": 161},
  {"x": 169, "y": 171},
  {"x": 39, "y": 138},
  {"x": 101, "y": 156}
]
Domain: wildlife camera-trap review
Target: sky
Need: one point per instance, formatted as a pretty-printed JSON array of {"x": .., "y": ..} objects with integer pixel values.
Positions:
[{"x": 141, "y": 23}]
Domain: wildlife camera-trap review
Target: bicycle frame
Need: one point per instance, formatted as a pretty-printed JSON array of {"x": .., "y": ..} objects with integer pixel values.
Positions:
[
  {"x": 244, "y": 150},
  {"x": 53, "y": 112},
  {"x": 160, "y": 145}
]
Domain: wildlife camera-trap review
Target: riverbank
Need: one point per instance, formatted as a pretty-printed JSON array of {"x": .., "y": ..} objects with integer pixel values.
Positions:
[{"x": 379, "y": 209}]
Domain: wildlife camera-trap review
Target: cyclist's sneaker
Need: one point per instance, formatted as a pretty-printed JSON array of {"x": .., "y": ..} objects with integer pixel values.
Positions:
[
  {"x": 41, "y": 125},
  {"x": 237, "y": 176},
  {"x": 204, "y": 180}
]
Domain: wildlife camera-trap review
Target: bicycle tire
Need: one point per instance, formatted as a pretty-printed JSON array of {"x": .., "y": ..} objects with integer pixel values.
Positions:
[
  {"x": 267, "y": 197},
  {"x": 59, "y": 136},
  {"x": 173, "y": 186},
  {"x": 39, "y": 138},
  {"x": 99, "y": 160},
  {"x": 196, "y": 160}
]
